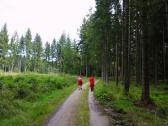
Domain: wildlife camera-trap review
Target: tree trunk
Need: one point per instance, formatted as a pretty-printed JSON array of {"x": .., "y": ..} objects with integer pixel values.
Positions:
[
  {"x": 105, "y": 53},
  {"x": 86, "y": 69},
  {"x": 125, "y": 46},
  {"x": 145, "y": 75},
  {"x": 166, "y": 11},
  {"x": 166, "y": 38},
  {"x": 117, "y": 64},
  {"x": 138, "y": 56},
  {"x": 123, "y": 43},
  {"x": 156, "y": 64},
  {"x": 106, "y": 59},
  {"x": 20, "y": 65},
  {"x": 12, "y": 67},
  {"x": 103, "y": 66},
  {"x": 164, "y": 55}
]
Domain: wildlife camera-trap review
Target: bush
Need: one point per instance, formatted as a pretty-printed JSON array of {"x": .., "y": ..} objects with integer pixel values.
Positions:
[
  {"x": 32, "y": 97},
  {"x": 1, "y": 85},
  {"x": 22, "y": 85},
  {"x": 6, "y": 103},
  {"x": 6, "y": 108},
  {"x": 19, "y": 79},
  {"x": 22, "y": 91},
  {"x": 19, "y": 90},
  {"x": 6, "y": 79}
]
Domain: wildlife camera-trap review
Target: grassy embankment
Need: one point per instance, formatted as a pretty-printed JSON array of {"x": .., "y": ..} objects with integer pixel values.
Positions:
[
  {"x": 27, "y": 100},
  {"x": 113, "y": 97}
]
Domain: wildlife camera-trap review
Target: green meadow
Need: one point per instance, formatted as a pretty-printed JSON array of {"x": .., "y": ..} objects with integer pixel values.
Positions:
[{"x": 29, "y": 99}]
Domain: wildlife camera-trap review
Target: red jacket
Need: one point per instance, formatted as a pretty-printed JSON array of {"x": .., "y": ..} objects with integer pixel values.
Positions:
[
  {"x": 92, "y": 81},
  {"x": 80, "y": 81}
]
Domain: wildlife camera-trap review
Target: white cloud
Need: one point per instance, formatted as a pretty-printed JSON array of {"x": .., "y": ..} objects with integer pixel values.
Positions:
[{"x": 49, "y": 18}]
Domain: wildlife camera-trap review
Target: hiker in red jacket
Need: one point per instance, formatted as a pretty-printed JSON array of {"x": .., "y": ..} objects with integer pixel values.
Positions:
[
  {"x": 92, "y": 82},
  {"x": 80, "y": 82}
]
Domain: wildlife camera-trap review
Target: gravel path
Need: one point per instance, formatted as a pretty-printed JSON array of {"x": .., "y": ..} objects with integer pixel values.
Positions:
[
  {"x": 97, "y": 116},
  {"x": 66, "y": 114}
]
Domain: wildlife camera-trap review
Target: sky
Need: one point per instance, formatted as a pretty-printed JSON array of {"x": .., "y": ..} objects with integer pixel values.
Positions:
[{"x": 49, "y": 18}]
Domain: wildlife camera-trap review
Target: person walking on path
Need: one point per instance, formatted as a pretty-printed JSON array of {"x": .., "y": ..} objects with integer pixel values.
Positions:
[
  {"x": 80, "y": 82},
  {"x": 92, "y": 83}
]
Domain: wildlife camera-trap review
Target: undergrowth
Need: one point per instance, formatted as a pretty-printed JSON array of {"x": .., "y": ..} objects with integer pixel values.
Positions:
[
  {"x": 113, "y": 96},
  {"x": 27, "y": 100}
]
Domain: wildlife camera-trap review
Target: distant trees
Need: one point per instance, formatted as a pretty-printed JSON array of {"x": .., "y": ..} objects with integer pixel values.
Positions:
[
  {"x": 26, "y": 54},
  {"x": 54, "y": 54},
  {"x": 47, "y": 54},
  {"x": 28, "y": 44},
  {"x": 67, "y": 55},
  {"x": 13, "y": 47},
  {"x": 3, "y": 47}
]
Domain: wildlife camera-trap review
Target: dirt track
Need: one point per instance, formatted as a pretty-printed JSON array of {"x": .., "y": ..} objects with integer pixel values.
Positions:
[
  {"x": 66, "y": 114},
  {"x": 97, "y": 116}
]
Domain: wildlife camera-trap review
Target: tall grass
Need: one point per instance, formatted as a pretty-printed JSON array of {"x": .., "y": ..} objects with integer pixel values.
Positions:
[
  {"x": 26, "y": 100},
  {"x": 82, "y": 118}
]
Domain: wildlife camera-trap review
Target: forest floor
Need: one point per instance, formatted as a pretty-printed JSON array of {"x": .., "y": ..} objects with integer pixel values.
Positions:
[
  {"x": 125, "y": 111},
  {"x": 69, "y": 114}
]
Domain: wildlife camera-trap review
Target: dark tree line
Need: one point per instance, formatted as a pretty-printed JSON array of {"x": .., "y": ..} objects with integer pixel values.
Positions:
[
  {"x": 127, "y": 40},
  {"x": 25, "y": 54}
]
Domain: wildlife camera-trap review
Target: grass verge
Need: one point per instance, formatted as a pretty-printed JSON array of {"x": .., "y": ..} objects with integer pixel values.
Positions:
[{"x": 82, "y": 118}]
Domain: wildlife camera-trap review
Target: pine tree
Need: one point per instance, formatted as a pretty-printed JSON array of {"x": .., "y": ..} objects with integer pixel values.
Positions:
[
  {"x": 54, "y": 57},
  {"x": 28, "y": 44},
  {"x": 145, "y": 67},
  {"x": 3, "y": 46},
  {"x": 37, "y": 53},
  {"x": 13, "y": 47}
]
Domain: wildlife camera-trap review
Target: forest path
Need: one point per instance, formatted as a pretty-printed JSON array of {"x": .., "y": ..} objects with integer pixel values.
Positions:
[
  {"x": 67, "y": 113},
  {"x": 97, "y": 115}
]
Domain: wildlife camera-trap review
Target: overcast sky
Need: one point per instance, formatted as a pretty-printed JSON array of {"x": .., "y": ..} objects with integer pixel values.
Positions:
[{"x": 49, "y": 18}]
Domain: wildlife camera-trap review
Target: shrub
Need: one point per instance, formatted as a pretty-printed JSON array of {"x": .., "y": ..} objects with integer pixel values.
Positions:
[
  {"x": 19, "y": 79},
  {"x": 18, "y": 92},
  {"x": 1, "y": 85},
  {"x": 32, "y": 97},
  {"x": 6, "y": 108},
  {"x": 6, "y": 103},
  {"x": 23, "y": 90}
]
